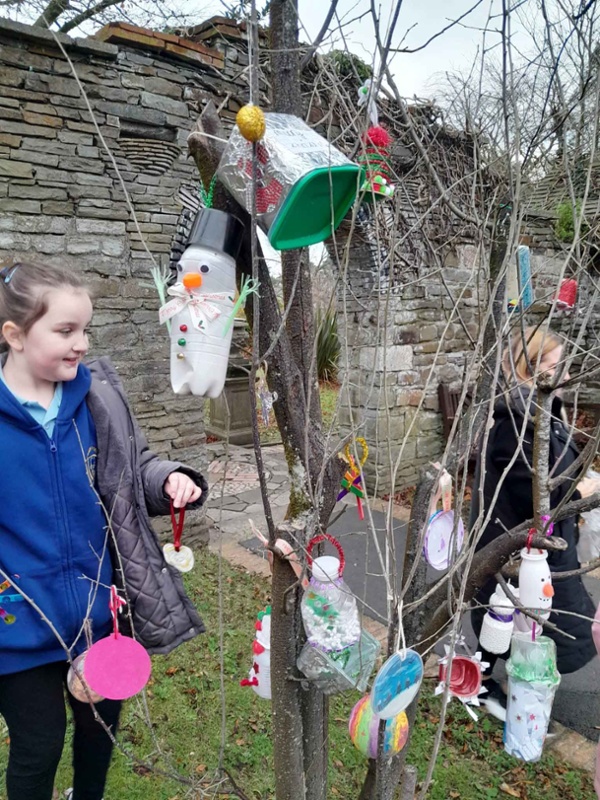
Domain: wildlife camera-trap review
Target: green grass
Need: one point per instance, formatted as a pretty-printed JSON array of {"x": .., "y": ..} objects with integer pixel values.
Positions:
[
  {"x": 185, "y": 709},
  {"x": 329, "y": 394}
]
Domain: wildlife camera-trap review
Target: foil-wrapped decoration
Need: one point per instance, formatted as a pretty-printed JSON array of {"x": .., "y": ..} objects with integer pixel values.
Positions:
[{"x": 289, "y": 151}]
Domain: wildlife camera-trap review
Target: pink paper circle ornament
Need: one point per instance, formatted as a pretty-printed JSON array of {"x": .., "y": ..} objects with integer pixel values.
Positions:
[
  {"x": 117, "y": 667},
  {"x": 440, "y": 544}
]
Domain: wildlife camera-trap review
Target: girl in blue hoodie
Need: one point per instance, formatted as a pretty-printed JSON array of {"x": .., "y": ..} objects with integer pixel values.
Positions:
[{"x": 58, "y": 556}]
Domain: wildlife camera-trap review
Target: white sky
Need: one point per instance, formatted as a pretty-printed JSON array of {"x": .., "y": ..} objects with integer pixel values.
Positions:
[{"x": 414, "y": 73}]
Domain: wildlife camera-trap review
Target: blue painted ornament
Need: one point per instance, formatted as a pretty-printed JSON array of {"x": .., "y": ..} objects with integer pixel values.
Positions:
[{"x": 397, "y": 684}]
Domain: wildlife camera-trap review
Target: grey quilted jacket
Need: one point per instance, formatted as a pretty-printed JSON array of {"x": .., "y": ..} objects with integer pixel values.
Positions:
[{"x": 130, "y": 480}]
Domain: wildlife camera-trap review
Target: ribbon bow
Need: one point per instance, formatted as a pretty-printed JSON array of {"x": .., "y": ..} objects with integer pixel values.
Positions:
[{"x": 202, "y": 310}]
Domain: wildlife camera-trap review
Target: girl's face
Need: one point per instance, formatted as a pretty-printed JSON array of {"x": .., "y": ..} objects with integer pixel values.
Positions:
[
  {"x": 553, "y": 360},
  {"x": 54, "y": 345}
]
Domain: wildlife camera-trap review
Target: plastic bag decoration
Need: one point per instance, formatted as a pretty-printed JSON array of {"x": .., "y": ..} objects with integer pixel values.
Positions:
[
  {"x": 203, "y": 305},
  {"x": 532, "y": 683},
  {"x": 305, "y": 186},
  {"x": 338, "y": 654}
]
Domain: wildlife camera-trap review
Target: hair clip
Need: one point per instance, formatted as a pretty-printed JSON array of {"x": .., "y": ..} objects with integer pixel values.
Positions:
[{"x": 6, "y": 273}]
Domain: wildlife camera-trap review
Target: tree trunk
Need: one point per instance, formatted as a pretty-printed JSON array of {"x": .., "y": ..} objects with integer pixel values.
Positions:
[{"x": 300, "y": 421}]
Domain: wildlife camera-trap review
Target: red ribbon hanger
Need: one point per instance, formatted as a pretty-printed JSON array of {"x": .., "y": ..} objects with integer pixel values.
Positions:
[{"x": 177, "y": 522}]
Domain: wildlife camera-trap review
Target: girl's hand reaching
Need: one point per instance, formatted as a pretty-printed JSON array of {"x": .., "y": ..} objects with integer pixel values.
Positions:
[{"x": 181, "y": 489}]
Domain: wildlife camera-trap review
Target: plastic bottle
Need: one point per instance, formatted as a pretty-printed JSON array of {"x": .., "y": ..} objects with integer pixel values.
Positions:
[
  {"x": 201, "y": 331},
  {"x": 535, "y": 583},
  {"x": 329, "y": 610},
  {"x": 532, "y": 683},
  {"x": 498, "y": 624}
]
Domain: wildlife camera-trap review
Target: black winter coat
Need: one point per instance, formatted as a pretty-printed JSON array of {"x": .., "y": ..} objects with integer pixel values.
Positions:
[{"x": 514, "y": 505}]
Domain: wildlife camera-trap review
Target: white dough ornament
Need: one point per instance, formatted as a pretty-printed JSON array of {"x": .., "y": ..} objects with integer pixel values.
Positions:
[{"x": 176, "y": 554}]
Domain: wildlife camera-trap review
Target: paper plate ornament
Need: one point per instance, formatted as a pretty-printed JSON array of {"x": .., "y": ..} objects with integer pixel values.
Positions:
[
  {"x": 176, "y": 554},
  {"x": 441, "y": 544},
  {"x": 532, "y": 682},
  {"x": 203, "y": 305},
  {"x": 116, "y": 667},
  {"x": 376, "y": 161},
  {"x": 352, "y": 480},
  {"x": 338, "y": 655},
  {"x": 397, "y": 684},
  {"x": 463, "y": 680},
  {"x": 259, "y": 677},
  {"x": 305, "y": 186},
  {"x": 364, "y": 730}
]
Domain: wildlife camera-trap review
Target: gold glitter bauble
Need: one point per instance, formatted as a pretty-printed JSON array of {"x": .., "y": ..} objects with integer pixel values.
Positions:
[{"x": 251, "y": 122}]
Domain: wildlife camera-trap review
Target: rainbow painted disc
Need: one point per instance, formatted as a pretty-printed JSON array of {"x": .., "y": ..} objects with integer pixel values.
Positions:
[{"x": 364, "y": 725}]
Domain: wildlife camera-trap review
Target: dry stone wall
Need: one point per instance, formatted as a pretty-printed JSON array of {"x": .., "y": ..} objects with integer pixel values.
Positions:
[{"x": 68, "y": 188}]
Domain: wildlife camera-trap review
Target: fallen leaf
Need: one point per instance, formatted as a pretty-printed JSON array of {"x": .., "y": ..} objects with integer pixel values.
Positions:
[{"x": 504, "y": 787}]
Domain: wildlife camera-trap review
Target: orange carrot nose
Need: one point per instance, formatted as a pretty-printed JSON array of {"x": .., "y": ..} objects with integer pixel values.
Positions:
[
  {"x": 548, "y": 590},
  {"x": 192, "y": 280}
]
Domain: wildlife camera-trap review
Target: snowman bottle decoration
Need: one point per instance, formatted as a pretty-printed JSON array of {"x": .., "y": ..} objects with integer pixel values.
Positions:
[
  {"x": 259, "y": 677},
  {"x": 203, "y": 305},
  {"x": 535, "y": 589}
]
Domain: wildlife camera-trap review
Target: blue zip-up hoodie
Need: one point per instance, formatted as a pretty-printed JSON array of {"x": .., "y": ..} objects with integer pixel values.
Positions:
[{"x": 53, "y": 540}]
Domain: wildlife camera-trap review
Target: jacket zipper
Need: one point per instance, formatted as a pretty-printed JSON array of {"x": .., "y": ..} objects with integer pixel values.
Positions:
[{"x": 67, "y": 542}]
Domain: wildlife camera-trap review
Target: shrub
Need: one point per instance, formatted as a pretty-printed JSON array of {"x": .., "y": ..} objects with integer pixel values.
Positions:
[{"x": 328, "y": 345}]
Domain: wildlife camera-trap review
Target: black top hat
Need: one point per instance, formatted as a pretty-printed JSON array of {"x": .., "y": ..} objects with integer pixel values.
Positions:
[{"x": 217, "y": 230}]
